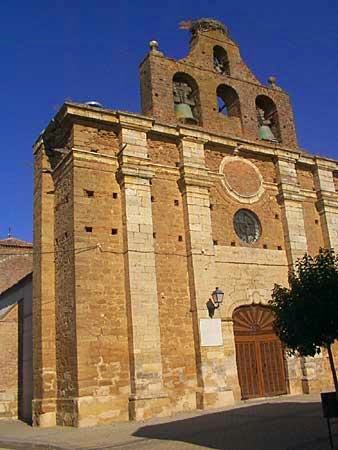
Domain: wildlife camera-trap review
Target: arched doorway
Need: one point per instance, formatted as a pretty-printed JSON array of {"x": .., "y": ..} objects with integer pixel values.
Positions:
[{"x": 259, "y": 353}]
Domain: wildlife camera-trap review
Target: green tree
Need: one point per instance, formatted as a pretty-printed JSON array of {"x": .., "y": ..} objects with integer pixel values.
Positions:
[{"x": 306, "y": 313}]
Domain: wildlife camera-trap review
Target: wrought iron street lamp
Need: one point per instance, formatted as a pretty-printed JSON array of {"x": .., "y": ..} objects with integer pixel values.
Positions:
[{"x": 215, "y": 301}]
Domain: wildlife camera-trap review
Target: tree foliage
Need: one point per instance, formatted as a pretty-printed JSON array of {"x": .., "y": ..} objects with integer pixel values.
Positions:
[{"x": 306, "y": 313}]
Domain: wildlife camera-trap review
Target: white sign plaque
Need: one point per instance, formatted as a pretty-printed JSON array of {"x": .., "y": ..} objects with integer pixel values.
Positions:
[{"x": 211, "y": 332}]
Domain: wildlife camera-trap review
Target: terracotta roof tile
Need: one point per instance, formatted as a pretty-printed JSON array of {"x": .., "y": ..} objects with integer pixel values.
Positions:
[{"x": 14, "y": 242}]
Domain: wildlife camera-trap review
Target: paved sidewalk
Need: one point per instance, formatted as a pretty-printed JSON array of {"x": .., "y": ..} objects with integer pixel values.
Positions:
[{"x": 283, "y": 423}]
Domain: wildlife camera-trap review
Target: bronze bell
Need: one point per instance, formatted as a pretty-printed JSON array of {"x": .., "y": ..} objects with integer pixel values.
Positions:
[
  {"x": 184, "y": 113},
  {"x": 265, "y": 133}
]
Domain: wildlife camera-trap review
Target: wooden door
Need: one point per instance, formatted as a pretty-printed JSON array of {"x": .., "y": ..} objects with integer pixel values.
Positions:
[{"x": 259, "y": 354}]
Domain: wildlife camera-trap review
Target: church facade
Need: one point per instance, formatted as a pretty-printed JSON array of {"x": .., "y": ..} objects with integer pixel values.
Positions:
[{"x": 138, "y": 218}]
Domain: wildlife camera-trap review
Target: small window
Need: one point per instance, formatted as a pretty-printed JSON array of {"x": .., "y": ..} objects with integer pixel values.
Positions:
[
  {"x": 89, "y": 193},
  {"x": 114, "y": 195},
  {"x": 114, "y": 231},
  {"x": 88, "y": 229}
]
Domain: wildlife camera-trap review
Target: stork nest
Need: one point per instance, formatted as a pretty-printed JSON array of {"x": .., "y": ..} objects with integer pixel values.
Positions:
[{"x": 202, "y": 25}]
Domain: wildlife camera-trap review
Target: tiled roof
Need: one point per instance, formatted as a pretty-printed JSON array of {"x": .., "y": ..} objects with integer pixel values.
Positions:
[{"x": 13, "y": 242}]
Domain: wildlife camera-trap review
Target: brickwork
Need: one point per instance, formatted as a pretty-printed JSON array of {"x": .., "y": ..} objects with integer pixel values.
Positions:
[
  {"x": 157, "y": 72},
  {"x": 16, "y": 261},
  {"x": 163, "y": 151},
  {"x": 305, "y": 177},
  {"x": 95, "y": 138},
  {"x": 313, "y": 230}
]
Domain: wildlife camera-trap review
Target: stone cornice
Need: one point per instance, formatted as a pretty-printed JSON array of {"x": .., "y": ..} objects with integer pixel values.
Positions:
[
  {"x": 87, "y": 155},
  {"x": 149, "y": 124},
  {"x": 323, "y": 204},
  {"x": 289, "y": 192},
  {"x": 133, "y": 122},
  {"x": 327, "y": 199},
  {"x": 131, "y": 166},
  {"x": 193, "y": 176},
  {"x": 326, "y": 164}
]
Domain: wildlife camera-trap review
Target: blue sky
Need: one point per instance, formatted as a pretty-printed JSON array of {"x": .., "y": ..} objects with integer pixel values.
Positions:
[{"x": 81, "y": 50}]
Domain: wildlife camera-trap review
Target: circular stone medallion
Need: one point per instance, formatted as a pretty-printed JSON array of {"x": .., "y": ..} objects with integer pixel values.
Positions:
[{"x": 241, "y": 178}]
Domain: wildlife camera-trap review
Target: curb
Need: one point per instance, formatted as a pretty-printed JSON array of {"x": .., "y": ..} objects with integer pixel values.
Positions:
[{"x": 12, "y": 444}]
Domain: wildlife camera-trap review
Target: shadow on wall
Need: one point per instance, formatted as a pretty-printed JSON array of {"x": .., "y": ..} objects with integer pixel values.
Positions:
[{"x": 277, "y": 426}]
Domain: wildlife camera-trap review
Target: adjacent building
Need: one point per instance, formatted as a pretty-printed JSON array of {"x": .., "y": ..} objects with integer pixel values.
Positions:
[{"x": 16, "y": 374}]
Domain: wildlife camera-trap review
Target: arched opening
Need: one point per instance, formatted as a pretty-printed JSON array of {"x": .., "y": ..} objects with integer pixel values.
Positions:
[
  {"x": 228, "y": 101},
  {"x": 259, "y": 353},
  {"x": 267, "y": 117},
  {"x": 221, "y": 60},
  {"x": 186, "y": 99}
]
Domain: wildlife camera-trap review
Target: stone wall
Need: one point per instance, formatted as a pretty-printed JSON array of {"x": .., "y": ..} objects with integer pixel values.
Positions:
[
  {"x": 176, "y": 326},
  {"x": 101, "y": 312},
  {"x": 44, "y": 343},
  {"x": 143, "y": 232},
  {"x": 65, "y": 307},
  {"x": 16, "y": 351},
  {"x": 9, "y": 364}
]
